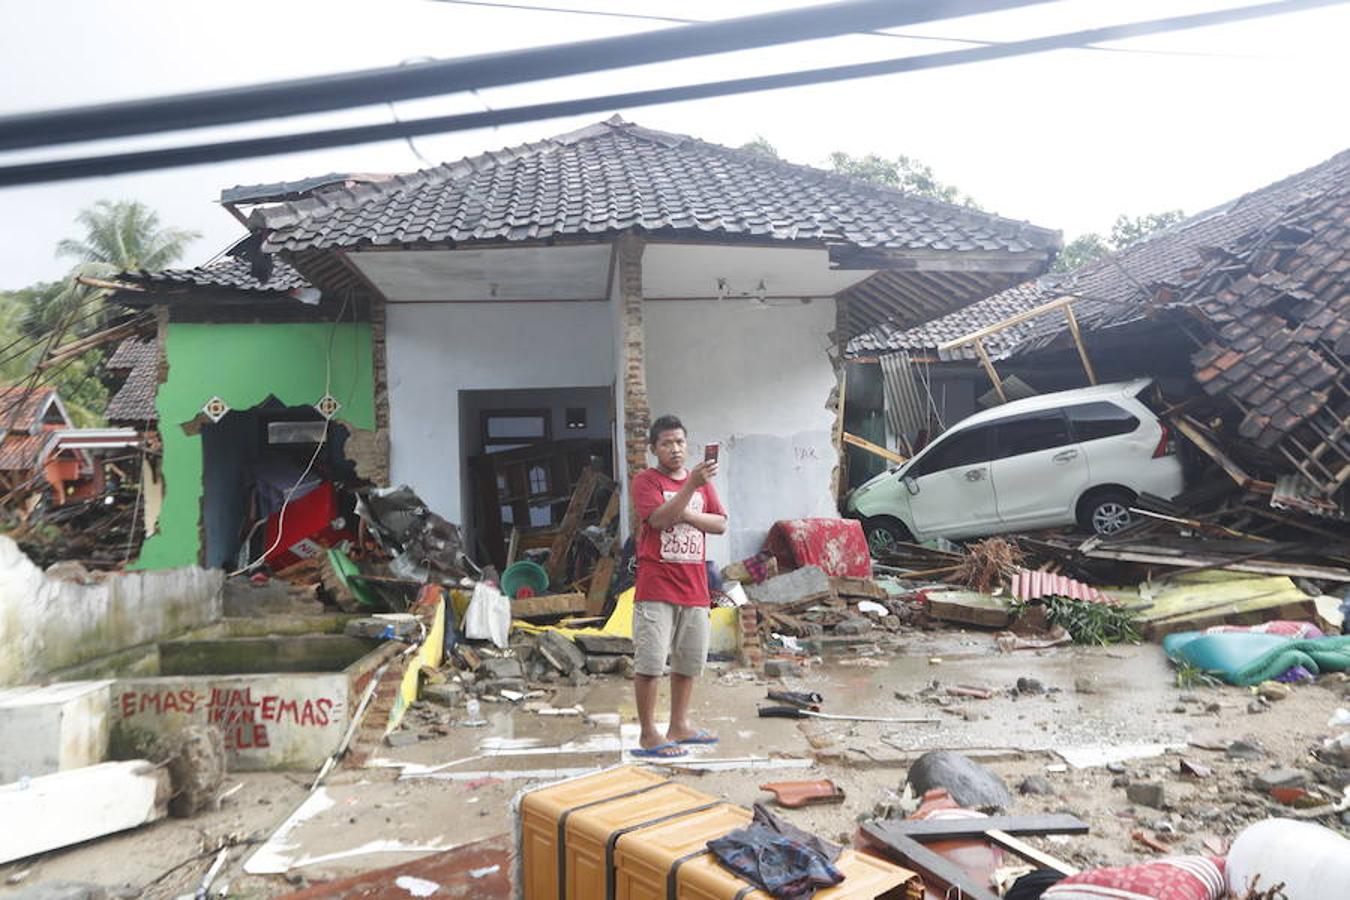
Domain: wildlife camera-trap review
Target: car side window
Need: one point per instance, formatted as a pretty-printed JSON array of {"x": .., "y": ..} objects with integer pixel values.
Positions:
[
  {"x": 965, "y": 448},
  {"x": 1092, "y": 421},
  {"x": 1030, "y": 432}
]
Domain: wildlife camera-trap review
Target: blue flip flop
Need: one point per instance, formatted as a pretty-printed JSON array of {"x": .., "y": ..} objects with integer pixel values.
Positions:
[
  {"x": 702, "y": 737},
  {"x": 655, "y": 752}
]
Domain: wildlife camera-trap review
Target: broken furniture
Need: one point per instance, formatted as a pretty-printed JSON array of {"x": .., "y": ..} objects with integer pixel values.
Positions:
[
  {"x": 905, "y": 841},
  {"x": 529, "y": 488},
  {"x": 628, "y": 832}
]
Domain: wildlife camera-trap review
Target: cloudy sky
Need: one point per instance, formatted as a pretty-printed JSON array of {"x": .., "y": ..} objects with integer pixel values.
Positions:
[{"x": 1068, "y": 139}]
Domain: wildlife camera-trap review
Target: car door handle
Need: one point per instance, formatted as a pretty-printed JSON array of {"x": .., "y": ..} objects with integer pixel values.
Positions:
[
  {"x": 1065, "y": 456},
  {"x": 975, "y": 475}
]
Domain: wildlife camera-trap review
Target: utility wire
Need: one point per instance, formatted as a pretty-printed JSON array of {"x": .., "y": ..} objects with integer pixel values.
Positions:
[
  {"x": 364, "y": 88},
  {"x": 645, "y": 17},
  {"x": 111, "y": 164}
]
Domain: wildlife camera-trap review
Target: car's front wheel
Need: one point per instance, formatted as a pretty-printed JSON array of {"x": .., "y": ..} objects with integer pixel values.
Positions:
[
  {"x": 884, "y": 532},
  {"x": 1106, "y": 512}
]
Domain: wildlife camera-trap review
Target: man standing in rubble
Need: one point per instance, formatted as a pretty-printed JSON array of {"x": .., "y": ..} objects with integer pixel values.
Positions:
[{"x": 677, "y": 508}]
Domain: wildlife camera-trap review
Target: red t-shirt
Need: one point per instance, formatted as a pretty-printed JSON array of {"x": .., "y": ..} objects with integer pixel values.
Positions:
[{"x": 671, "y": 562}]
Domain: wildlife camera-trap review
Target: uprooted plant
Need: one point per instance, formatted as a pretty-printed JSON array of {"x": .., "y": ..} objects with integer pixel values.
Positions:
[
  {"x": 1087, "y": 622},
  {"x": 988, "y": 563}
]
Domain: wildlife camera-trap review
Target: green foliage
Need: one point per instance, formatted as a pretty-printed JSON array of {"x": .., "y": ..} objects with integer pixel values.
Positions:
[
  {"x": 118, "y": 236},
  {"x": 903, "y": 173},
  {"x": 761, "y": 146},
  {"x": 1088, "y": 623},
  {"x": 1190, "y": 676},
  {"x": 1126, "y": 230}
]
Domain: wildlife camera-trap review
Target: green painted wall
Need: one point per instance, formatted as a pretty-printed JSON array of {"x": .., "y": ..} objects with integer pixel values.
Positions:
[{"x": 243, "y": 365}]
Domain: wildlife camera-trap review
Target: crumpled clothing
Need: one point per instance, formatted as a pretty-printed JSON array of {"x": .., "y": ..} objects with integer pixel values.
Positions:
[{"x": 780, "y": 859}]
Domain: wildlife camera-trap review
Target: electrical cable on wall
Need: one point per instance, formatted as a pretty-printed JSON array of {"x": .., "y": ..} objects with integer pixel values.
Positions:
[{"x": 323, "y": 439}]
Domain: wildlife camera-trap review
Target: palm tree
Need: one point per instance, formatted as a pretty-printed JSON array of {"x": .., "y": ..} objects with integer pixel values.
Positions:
[{"x": 121, "y": 235}]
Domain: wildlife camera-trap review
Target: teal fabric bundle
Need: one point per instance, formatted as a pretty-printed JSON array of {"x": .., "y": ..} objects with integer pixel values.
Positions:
[{"x": 1244, "y": 659}]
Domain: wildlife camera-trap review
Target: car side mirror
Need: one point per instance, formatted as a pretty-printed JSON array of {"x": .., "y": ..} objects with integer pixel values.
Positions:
[{"x": 911, "y": 485}]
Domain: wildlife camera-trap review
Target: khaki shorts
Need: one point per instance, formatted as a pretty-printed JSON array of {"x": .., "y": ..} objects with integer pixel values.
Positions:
[{"x": 661, "y": 629}]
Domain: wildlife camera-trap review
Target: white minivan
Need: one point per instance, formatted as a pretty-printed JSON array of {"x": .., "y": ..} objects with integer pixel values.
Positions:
[{"x": 1074, "y": 456}]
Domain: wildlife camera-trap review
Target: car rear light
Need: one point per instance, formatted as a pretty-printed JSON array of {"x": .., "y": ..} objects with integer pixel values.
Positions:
[{"x": 1167, "y": 445}]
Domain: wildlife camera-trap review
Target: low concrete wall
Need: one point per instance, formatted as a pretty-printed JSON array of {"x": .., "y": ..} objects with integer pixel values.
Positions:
[
  {"x": 272, "y": 721},
  {"x": 47, "y": 624}
]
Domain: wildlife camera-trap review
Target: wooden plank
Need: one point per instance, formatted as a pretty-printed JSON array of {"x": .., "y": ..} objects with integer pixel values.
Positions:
[
  {"x": 571, "y": 524},
  {"x": 990, "y": 330},
  {"x": 548, "y": 605},
  {"x": 874, "y": 449},
  {"x": 932, "y": 866},
  {"x": 599, "y": 587},
  {"x": 1196, "y": 437},
  {"x": 1078, "y": 342},
  {"x": 611, "y": 509},
  {"x": 857, "y": 587},
  {"x": 969, "y": 608},
  {"x": 64, "y": 808},
  {"x": 513, "y": 546},
  {"x": 1257, "y": 567},
  {"x": 951, "y": 829},
  {"x": 991, "y": 371},
  {"x": 1028, "y": 852}
]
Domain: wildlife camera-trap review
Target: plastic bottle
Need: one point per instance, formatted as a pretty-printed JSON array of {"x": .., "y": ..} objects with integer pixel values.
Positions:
[
  {"x": 473, "y": 709},
  {"x": 1311, "y": 862}
]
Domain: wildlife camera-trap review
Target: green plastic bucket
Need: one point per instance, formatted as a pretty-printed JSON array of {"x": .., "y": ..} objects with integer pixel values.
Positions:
[{"x": 524, "y": 574}]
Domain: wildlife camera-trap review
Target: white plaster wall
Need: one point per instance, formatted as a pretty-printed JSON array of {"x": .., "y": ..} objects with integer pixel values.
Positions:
[
  {"x": 48, "y": 624},
  {"x": 436, "y": 350},
  {"x": 758, "y": 381}
]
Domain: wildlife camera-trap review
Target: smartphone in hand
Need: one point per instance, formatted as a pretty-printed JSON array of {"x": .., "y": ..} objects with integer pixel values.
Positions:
[{"x": 710, "y": 451}]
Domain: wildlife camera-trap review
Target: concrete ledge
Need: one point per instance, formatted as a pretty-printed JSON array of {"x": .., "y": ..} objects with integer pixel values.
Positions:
[{"x": 48, "y": 624}]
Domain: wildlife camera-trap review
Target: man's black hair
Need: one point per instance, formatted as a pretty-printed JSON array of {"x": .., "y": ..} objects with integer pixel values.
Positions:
[{"x": 664, "y": 423}]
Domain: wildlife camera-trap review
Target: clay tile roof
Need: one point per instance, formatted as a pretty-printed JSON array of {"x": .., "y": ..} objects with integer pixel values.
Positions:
[
  {"x": 229, "y": 273},
  {"x": 1119, "y": 289},
  {"x": 21, "y": 406},
  {"x": 134, "y": 402},
  {"x": 1288, "y": 282},
  {"x": 615, "y": 175},
  {"x": 21, "y": 452}
]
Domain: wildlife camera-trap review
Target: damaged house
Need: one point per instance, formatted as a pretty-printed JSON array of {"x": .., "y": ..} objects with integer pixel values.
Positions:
[
  {"x": 485, "y": 330},
  {"x": 1244, "y": 304}
]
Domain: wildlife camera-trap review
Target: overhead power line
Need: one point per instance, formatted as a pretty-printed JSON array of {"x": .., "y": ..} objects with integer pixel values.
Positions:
[
  {"x": 326, "y": 93},
  {"x": 647, "y": 17},
  {"x": 56, "y": 170}
]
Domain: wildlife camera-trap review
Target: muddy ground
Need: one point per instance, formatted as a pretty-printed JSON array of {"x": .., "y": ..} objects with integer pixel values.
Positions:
[{"x": 447, "y": 789}]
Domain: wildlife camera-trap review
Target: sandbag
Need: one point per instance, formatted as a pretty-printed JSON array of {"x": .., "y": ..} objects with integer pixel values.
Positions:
[
  {"x": 1307, "y": 861},
  {"x": 488, "y": 616},
  {"x": 1175, "y": 878}
]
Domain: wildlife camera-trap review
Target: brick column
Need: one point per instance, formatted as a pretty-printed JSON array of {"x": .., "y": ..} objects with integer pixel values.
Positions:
[{"x": 637, "y": 411}]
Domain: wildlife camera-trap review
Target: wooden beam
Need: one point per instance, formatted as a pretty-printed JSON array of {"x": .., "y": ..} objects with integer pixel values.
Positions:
[
  {"x": 571, "y": 524},
  {"x": 874, "y": 449},
  {"x": 1028, "y": 852},
  {"x": 1198, "y": 438},
  {"x": 98, "y": 339},
  {"x": 598, "y": 591},
  {"x": 990, "y": 370},
  {"x": 1078, "y": 342},
  {"x": 990, "y": 330}
]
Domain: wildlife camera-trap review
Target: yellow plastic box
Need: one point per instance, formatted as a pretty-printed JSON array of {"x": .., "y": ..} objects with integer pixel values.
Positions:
[
  {"x": 543, "y": 811},
  {"x": 593, "y": 834},
  {"x": 865, "y": 878},
  {"x": 645, "y": 859}
]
